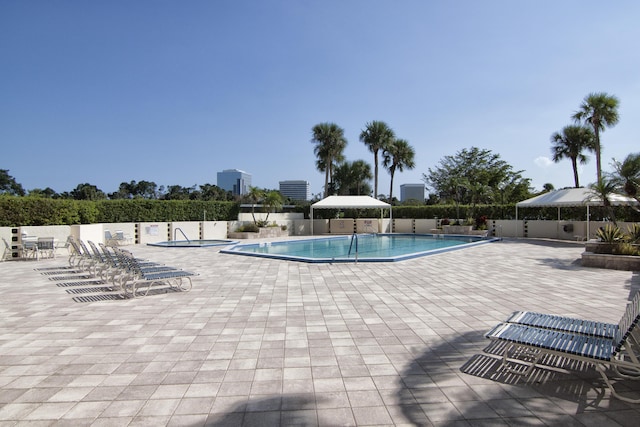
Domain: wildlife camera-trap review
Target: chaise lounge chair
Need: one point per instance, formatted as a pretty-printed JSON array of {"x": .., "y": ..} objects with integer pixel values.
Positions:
[
  {"x": 562, "y": 323},
  {"x": 79, "y": 255},
  {"x": 117, "y": 239},
  {"x": 528, "y": 345},
  {"x": 137, "y": 280},
  {"x": 8, "y": 252}
]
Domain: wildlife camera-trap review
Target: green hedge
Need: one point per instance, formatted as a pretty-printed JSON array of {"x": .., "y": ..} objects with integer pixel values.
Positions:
[
  {"x": 508, "y": 211},
  {"x": 451, "y": 211},
  {"x": 422, "y": 212},
  {"x": 622, "y": 213},
  {"x": 23, "y": 211}
]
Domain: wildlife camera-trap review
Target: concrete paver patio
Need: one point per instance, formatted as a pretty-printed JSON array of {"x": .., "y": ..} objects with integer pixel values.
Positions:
[{"x": 266, "y": 342}]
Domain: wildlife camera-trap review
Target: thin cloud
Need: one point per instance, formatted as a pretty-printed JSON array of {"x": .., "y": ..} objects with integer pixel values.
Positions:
[{"x": 543, "y": 162}]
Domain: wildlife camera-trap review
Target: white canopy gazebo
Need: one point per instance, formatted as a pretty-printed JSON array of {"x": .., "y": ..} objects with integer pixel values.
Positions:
[
  {"x": 573, "y": 197},
  {"x": 353, "y": 202}
]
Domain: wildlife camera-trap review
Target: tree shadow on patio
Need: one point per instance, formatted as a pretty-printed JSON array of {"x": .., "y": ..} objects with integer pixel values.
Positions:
[
  {"x": 268, "y": 411},
  {"x": 435, "y": 389}
]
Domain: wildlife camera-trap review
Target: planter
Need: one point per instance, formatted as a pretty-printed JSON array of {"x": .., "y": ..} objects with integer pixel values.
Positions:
[
  {"x": 611, "y": 262},
  {"x": 599, "y": 247},
  {"x": 457, "y": 229},
  {"x": 265, "y": 232}
]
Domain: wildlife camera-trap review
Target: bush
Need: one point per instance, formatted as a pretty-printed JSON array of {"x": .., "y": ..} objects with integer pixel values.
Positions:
[
  {"x": 633, "y": 234},
  {"x": 23, "y": 211},
  {"x": 248, "y": 228},
  {"x": 610, "y": 234},
  {"x": 625, "y": 249},
  {"x": 481, "y": 222}
]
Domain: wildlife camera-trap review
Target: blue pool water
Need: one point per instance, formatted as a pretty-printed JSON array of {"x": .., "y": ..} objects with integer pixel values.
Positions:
[{"x": 370, "y": 247}]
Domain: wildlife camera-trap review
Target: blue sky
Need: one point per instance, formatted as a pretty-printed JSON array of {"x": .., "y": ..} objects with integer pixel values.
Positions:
[{"x": 173, "y": 92}]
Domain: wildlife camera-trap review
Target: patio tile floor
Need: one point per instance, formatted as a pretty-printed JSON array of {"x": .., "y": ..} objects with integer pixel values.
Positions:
[{"x": 266, "y": 342}]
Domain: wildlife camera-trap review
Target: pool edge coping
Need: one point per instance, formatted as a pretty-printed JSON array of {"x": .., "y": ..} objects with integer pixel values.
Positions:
[{"x": 413, "y": 255}]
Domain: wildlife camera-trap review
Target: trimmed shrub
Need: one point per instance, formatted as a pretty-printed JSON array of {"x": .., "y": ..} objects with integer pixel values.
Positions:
[
  {"x": 248, "y": 228},
  {"x": 24, "y": 211}
]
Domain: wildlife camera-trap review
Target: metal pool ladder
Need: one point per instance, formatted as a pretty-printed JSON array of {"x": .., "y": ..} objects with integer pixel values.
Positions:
[
  {"x": 354, "y": 237},
  {"x": 175, "y": 230}
]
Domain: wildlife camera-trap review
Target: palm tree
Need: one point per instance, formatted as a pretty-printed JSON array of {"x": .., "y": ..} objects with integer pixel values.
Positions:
[
  {"x": 603, "y": 189},
  {"x": 255, "y": 195},
  {"x": 330, "y": 143},
  {"x": 627, "y": 175},
  {"x": 570, "y": 144},
  {"x": 548, "y": 187},
  {"x": 376, "y": 136},
  {"x": 321, "y": 165},
  {"x": 397, "y": 156},
  {"x": 352, "y": 178},
  {"x": 598, "y": 110},
  {"x": 272, "y": 202}
]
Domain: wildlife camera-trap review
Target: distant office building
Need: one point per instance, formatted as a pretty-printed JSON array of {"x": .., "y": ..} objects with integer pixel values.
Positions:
[
  {"x": 295, "y": 190},
  {"x": 234, "y": 180},
  {"x": 412, "y": 191}
]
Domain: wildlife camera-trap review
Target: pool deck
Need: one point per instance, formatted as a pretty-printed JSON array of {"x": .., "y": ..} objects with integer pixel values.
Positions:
[{"x": 261, "y": 342}]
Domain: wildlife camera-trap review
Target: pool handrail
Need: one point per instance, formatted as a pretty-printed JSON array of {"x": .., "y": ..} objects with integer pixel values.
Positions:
[
  {"x": 175, "y": 230},
  {"x": 354, "y": 236}
]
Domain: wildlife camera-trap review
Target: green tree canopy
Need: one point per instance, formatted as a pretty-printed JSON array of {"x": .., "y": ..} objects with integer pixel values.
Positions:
[
  {"x": 474, "y": 176},
  {"x": 330, "y": 144},
  {"x": 598, "y": 110},
  {"x": 213, "y": 192},
  {"x": 134, "y": 190},
  {"x": 627, "y": 175},
  {"x": 570, "y": 144},
  {"x": 178, "y": 192},
  {"x": 377, "y": 136},
  {"x": 352, "y": 178},
  {"x": 47, "y": 193},
  {"x": 8, "y": 184},
  {"x": 87, "y": 191}
]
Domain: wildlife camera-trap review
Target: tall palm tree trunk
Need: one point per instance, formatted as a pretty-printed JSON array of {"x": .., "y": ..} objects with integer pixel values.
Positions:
[
  {"x": 326, "y": 182},
  {"x": 391, "y": 172},
  {"x": 574, "y": 163},
  {"x": 598, "y": 163},
  {"x": 375, "y": 174}
]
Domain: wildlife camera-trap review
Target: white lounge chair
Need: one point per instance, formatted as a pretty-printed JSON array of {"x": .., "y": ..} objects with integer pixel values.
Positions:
[
  {"x": 529, "y": 344},
  {"x": 137, "y": 281},
  {"x": 117, "y": 239},
  {"x": 7, "y": 255},
  {"x": 562, "y": 323}
]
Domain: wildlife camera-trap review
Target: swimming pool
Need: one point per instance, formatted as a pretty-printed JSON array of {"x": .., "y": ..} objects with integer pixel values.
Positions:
[
  {"x": 370, "y": 247},
  {"x": 192, "y": 243}
]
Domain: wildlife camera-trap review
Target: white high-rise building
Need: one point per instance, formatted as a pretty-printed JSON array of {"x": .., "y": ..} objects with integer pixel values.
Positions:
[{"x": 295, "y": 190}]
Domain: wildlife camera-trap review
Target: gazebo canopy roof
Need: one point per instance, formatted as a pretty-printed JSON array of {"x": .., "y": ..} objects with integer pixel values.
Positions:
[
  {"x": 354, "y": 202},
  {"x": 339, "y": 202},
  {"x": 574, "y": 197}
]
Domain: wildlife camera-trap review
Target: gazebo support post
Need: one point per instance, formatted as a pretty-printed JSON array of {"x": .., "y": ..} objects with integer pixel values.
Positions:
[{"x": 588, "y": 228}]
